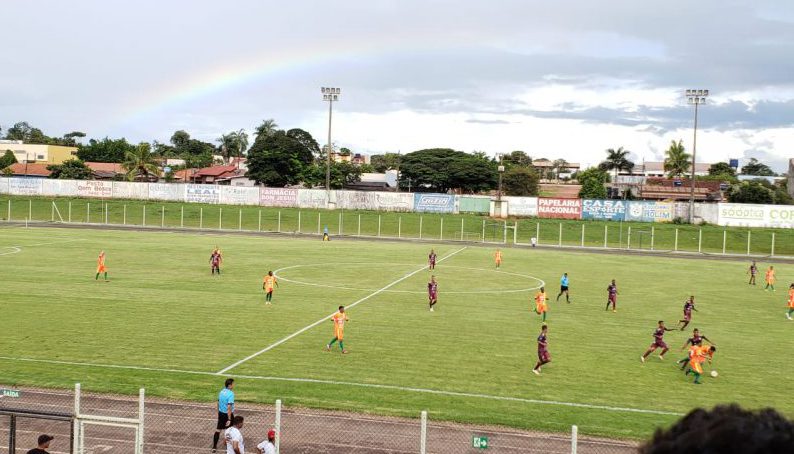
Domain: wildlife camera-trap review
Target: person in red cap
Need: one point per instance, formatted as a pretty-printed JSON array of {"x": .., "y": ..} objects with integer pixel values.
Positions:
[{"x": 267, "y": 446}]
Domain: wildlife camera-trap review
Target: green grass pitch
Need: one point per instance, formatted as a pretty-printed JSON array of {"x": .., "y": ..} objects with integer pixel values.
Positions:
[{"x": 162, "y": 310}]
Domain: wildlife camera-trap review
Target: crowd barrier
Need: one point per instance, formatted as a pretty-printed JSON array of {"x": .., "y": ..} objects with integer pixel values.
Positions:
[{"x": 725, "y": 214}]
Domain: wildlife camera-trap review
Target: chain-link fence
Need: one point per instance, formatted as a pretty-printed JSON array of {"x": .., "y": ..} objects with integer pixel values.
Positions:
[{"x": 176, "y": 426}]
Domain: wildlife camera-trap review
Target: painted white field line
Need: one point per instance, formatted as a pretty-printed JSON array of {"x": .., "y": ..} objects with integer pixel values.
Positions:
[
  {"x": 16, "y": 250},
  {"x": 358, "y": 385},
  {"x": 328, "y": 317}
]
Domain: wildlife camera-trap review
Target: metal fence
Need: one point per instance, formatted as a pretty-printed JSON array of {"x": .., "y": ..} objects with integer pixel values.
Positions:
[{"x": 175, "y": 426}]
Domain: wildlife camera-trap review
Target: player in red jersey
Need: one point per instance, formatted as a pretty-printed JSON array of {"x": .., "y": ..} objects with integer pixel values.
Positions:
[
  {"x": 752, "y": 271},
  {"x": 215, "y": 261},
  {"x": 689, "y": 306},
  {"x": 432, "y": 292},
  {"x": 612, "y": 296},
  {"x": 544, "y": 357},
  {"x": 658, "y": 342},
  {"x": 431, "y": 260}
]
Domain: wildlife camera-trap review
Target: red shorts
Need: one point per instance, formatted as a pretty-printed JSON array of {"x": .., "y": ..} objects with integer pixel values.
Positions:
[
  {"x": 613, "y": 298},
  {"x": 658, "y": 344},
  {"x": 544, "y": 356},
  {"x": 688, "y": 317}
]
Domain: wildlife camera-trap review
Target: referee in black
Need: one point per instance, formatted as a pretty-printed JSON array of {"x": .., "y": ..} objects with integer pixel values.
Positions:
[{"x": 225, "y": 410}]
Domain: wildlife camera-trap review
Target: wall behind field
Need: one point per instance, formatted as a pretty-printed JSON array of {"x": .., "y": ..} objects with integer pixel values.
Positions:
[{"x": 726, "y": 214}]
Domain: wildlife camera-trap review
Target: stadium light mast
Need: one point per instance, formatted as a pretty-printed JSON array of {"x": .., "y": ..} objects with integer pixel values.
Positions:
[
  {"x": 330, "y": 94},
  {"x": 694, "y": 97}
]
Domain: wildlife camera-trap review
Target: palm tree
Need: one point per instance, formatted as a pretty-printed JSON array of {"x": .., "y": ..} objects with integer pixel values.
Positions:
[
  {"x": 233, "y": 144},
  {"x": 267, "y": 128},
  {"x": 617, "y": 160},
  {"x": 140, "y": 163},
  {"x": 676, "y": 162}
]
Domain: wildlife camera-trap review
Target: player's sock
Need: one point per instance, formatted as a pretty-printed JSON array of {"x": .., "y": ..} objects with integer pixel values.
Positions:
[
  {"x": 697, "y": 378},
  {"x": 215, "y": 440},
  {"x": 567, "y": 299},
  {"x": 97, "y": 276},
  {"x": 544, "y": 316},
  {"x": 558, "y": 296},
  {"x": 332, "y": 342},
  {"x": 106, "y": 276},
  {"x": 341, "y": 345}
]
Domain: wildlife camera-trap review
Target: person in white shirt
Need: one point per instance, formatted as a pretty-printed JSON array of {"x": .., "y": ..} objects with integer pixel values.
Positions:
[
  {"x": 234, "y": 438},
  {"x": 267, "y": 446}
]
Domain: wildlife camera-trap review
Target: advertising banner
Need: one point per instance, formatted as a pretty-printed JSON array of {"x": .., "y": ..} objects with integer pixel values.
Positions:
[
  {"x": 94, "y": 188},
  {"x": 650, "y": 211},
  {"x": 25, "y": 186},
  {"x": 165, "y": 191},
  {"x": 312, "y": 198},
  {"x": 469, "y": 204},
  {"x": 522, "y": 206},
  {"x": 59, "y": 187},
  {"x": 202, "y": 193},
  {"x": 239, "y": 195},
  {"x": 383, "y": 201},
  {"x": 278, "y": 197},
  {"x": 605, "y": 210},
  {"x": 4, "y": 182},
  {"x": 434, "y": 203},
  {"x": 750, "y": 215},
  {"x": 559, "y": 208},
  {"x": 127, "y": 190}
]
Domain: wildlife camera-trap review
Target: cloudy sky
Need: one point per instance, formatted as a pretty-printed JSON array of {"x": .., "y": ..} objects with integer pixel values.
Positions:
[{"x": 563, "y": 79}]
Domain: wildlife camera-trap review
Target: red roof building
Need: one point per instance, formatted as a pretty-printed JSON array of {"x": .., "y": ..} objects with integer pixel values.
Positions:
[
  {"x": 33, "y": 170},
  {"x": 211, "y": 175}
]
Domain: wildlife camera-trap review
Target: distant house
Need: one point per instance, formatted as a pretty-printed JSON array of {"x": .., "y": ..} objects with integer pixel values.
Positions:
[
  {"x": 211, "y": 175},
  {"x": 375, "y": 182},
  {"x": 656, "y": 169},
  {"x": 35, "y": 153},
  {"x": 29, "y": 170},
  {"x": 106, "y": 170}
]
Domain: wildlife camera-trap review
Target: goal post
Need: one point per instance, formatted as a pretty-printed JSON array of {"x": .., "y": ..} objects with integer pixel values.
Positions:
[{"x": 82, "y": 420}]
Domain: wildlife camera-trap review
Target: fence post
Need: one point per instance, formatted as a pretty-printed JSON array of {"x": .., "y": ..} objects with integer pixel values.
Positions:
[
  {"x": 9, "y": 210},
  {"x": 88, "y": 212},
  {"x": 259, "y": 222},
  {"x": 653, "y": 234},
  {"x": 240, "y": 219},
  {"x": 76, "y": 427},
  {"x": 201, "y": 217},
  {"x": 162, "y": 217},
  {"x": 144, "y": 216},
  {"x": 700, "y": 239},
  {"x": 399, "y": 226},
  {"x": 340, "y": 223},
  {"x": 141, "y": 419},
  {"x": 582, "y": 234},
  {"x": 379, "y": 225},
  {"x": 52, "y": 212},
  {"x": 220, "y": 218},
  {"x": 359, "y": 225},
  {"x": 30, "y": 209},
  {"x": 299, "y": 222},
  {"x": 420, "y": 226},
  {"x": 574, "y": 438},
  {"x": 278, "y": 227},
  {"x": 748, "y": 242},
  {"x": 772, "y": 252},
  {"x": 441, "y": 237},
  {"x": 628, "y": 240},
  {"x": 319, "y": 215},
  {"x": 559, "y": 237},
  {"x": 423, "y": 433},
  {"x": 605, "y": 235},
  {"x": 483, "y": 230},
  {"x": 537, "y": 233},
  {"x": 504, "y": 232},
  {"x": 123, "y": 214},
  {"x": 461, "y": 229},
  {"x": 724, "y": 240},
  {"x": 515, "y": 233},
  {"x": 70, "y": 211},
  {"x": 675, "y": 243},
  {"x": 106, "y": 212},
  {"x": 181, "y": 216},
  {"x": 278, "y": 425}
]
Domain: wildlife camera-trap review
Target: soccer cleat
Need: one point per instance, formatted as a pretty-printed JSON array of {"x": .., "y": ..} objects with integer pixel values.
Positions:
[
  {"x": 614, "y": 310},
  {"x": 344, "y": 352},
  {"x": 535, "y": 371},
  {"x": 327, "y": 348},
  {"x": 431, "y": 310},
  {"x": 789, "y": 317},
  {"x": 661, "y": 357},
  {"x": 642, "y": 358}
]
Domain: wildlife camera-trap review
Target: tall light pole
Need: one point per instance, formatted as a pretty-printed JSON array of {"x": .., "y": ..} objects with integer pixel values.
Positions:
[
  {"x": 501, "y": 170},
  {"x": 330, "y": 94},
  {"x": 694, "y": 97}
]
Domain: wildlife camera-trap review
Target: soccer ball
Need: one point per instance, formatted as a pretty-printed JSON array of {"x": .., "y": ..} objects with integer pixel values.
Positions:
[{"x": 714, "y": 374}]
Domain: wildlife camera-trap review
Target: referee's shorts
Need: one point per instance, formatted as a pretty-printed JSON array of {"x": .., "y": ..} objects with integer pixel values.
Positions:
[{"x": 223, "y": 419}]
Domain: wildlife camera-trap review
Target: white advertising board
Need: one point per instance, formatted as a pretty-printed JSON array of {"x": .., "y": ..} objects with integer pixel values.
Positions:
[
  {"x": 522, "y": 206},
  {"x": 95, "y": 189},
  {"x": 128, "y": 190},
  {"x": 750, "y": 215},
  {"x": 382, "y": 201},
  {"x": 165, "y": 191},
  {"x": 239, "y": 195},
  {"x": 25, "y": 186},
  {"x": 59, "y": 188},
  {"x": 312, "y": 198}
]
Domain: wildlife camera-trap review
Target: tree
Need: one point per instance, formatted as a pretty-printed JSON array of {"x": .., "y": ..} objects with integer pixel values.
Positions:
[
  {"x": 70, "y": 138},
  {"x": 516, "y": 159},
  {"x": 72, "y": 169},
  {"x": 617, "y": 160},
  {"x": 105, "y": 150},
  {"x": 557, "y": 166},
  {"x": 721, "y": 168},
  {"x": 593, "y": 182},
  {"x": 27, "y": 133},
  {"x": 754, "y": 167},
  {"x": 278, "y": 159},
  {"x": 677, "y": 160},
  {"x": 345, "y": 151},
  {"x": 342, "y": 174},
  {"x": 521, "y": 181},
  {"x": 233, "y": 144},
  {"x": 266, "y": 128},
  {"x": 384, "y": 162},
  {"x": 751, "y": 192},
  {"x": 305, "y": 139},
  {"x": 7, "y": 159},
  {"x": 140, "y": 164},
  {"x": 180, "y": 138},
  {"x": 443, "y": 169}
]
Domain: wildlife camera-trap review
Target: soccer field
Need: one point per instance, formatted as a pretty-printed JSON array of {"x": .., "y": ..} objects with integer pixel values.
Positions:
[{"x": 164, "y": 323}]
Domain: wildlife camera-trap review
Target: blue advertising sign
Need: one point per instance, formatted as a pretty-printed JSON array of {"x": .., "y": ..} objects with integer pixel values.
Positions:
[
  {"x": 434, "y": 203},
  {"x": 650, "y": 211},
  {"x": 605, "y": 210}
]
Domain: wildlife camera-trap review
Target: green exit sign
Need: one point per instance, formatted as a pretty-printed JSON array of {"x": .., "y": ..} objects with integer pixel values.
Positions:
[
  {"x": 9, "y": 393},
  {"x": 479, "y": 442}
]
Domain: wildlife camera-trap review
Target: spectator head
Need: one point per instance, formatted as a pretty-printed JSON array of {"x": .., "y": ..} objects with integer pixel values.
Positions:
[
  {"x": 44, "y": 441},
  {"x": 727, "y": 429},
  {"x": 229, "y": 383},
  {"x": 271, "y": 435},
  {"x": 237, "y": 421}
]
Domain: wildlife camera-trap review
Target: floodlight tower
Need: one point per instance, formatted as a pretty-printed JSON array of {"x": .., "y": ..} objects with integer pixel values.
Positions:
[
  {"x": 330, "y": 94},
  {"x": 694, "y": 97}
]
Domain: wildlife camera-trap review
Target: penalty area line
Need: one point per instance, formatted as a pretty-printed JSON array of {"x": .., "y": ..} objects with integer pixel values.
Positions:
[
  {"x": 438, "y": 392},
  {"x": 318, "y": 322}
]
